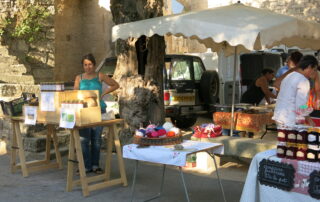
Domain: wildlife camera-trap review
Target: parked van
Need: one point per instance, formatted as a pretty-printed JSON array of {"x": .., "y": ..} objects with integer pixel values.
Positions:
[{"x": 248, "y": 69}]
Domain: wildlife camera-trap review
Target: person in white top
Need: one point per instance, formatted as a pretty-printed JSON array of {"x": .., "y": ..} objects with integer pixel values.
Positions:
[{"x": 294, "y": 91}]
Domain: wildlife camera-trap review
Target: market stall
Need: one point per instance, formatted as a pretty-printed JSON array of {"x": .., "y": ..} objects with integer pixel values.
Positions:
[
  {"x": 280, "y": 182},
  {"x": 291, "y": 172},
  {"x": 258, "y": 29},
  {"x": 72, "y": 110}
]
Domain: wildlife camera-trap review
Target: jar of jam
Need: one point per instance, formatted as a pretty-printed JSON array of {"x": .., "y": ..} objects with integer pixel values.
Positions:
[
  {"x": 281, "y": 149},
  {"x": 292, "y": 136},
  {"x": 291, "y": 152},
  {"x": 313, "y": 138},
  {"x": 302, "y": 137},
  {"x": 312, "y": 153},
  {"x": 302, "y": 152},
  {"x": 282, "y": 135}
]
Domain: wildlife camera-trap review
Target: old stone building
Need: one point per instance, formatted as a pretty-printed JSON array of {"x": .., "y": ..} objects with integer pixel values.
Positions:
[{"x": 81, "y": 27}]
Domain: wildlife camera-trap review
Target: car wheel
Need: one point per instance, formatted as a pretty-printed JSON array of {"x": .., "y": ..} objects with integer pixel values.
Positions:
[
  {"x": 209, "y": 87},
  {"x": 184, "y": 122}
]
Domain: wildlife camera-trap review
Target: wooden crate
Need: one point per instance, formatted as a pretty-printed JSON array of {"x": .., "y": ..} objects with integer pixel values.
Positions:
[{"x": 83, "y": 116}]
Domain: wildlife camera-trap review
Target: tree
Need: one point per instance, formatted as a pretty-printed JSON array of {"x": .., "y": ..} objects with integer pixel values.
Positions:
[{"x": 139, "y": 65}]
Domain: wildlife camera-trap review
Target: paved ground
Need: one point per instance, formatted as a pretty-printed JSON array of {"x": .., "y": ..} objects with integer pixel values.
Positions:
[{"x": 50, "y": 185}]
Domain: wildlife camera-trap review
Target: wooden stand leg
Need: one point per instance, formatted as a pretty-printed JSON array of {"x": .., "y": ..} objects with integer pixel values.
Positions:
[
  {"x": 14, "y": 147},
  {"x": 48, "y": 144},
  {"x": 71, "y": 162},
  {"x": 21, "y": 150},
  {"x": 55, "y": 144},
  {"x": 82, "y": 170},
  {"x": 109, "y": 154},
  {"x": 119, "y": 155}
]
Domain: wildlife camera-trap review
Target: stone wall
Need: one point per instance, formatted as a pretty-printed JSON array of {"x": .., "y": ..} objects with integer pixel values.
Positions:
[
  {"x": 37, "y": 56},
  {"x": 306, "y": 9},
  {"x": 81, "y": 27}
]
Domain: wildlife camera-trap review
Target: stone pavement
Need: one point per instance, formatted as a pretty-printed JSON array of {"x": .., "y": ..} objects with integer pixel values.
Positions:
[{"x": 50, "y": 185}]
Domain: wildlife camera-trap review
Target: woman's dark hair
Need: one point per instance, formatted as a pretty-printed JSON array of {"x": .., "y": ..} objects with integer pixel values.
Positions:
[
  {"x": 306, "y": 61},
  {"x": 89, "y": 57},
  {"x": 265, "y": 71},
  {"x": 295, "y": 57}
]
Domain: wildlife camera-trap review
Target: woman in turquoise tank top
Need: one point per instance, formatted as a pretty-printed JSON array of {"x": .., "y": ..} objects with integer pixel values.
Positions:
[{"x": 91, "y": 137}]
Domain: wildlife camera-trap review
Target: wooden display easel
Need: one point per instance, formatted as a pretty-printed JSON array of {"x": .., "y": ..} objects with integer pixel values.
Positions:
[
  {"x": 37, "y": 165},
  {"x": 76, "y": 156}
]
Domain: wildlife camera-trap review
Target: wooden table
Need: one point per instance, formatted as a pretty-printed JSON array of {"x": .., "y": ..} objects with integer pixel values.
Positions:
[
  {"x": 37, "y": 165},
  {"x": 76, "y": 156}
]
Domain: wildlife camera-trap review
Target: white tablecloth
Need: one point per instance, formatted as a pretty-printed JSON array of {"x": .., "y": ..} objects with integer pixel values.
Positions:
[
  {"x": 253, "y": 191},
  {"x": 167, "y": 154}
]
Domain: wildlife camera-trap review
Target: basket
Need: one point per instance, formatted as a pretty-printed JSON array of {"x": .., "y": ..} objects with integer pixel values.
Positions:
[{"x": 157, "y": 141}]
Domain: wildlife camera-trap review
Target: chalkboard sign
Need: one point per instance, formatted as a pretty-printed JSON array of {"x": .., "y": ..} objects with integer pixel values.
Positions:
[
  {"x": 276, "y": 174},
  {"x": 314, "y": 184}
]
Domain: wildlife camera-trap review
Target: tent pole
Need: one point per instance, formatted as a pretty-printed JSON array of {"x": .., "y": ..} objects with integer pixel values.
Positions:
[{"x": 233, "y": 90}]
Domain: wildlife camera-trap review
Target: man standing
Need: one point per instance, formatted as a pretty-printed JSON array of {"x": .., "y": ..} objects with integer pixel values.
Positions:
[{"x": 291, "y": 62}]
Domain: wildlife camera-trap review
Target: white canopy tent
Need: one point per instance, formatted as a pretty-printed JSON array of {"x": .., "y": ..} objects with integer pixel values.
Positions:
[
  {"x": 247, "y": 27},
  {"x": 234, "y": 29}
]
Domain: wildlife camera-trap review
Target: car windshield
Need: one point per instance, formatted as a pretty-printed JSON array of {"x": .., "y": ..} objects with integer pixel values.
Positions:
[{"x": 180, "y": 70}]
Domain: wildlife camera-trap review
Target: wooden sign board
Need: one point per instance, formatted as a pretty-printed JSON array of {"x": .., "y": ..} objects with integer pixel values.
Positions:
[{"x": 276, "y": 174}]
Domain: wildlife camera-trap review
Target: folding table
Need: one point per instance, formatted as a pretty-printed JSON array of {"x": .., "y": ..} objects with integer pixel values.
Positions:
[{"x": 167, "y": 155}]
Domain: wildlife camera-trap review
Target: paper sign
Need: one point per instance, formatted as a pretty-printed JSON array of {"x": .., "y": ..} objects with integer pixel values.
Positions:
[
  {"x": 47, "y": 101},
  {"x": 67, "y": 118},
  {"x": 30, "y": 115}
]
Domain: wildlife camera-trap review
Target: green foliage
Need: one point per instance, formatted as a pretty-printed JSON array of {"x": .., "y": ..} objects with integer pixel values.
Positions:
[
  {"x": 28, "y": 23},
  {"x": 4, "y": 22}
]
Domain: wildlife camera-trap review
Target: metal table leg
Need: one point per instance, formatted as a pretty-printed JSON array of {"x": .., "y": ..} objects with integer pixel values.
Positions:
[
  {"x": 161, "y": 186},
  {"x": 134, "y": 180},
  {"x": 134, "y": 183},
  {"x": 184, "y": 184},
  {"x": 215, "y": 164}
]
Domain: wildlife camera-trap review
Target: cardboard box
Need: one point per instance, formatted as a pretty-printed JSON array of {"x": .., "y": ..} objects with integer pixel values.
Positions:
[{"x": 83, "y": 116}]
